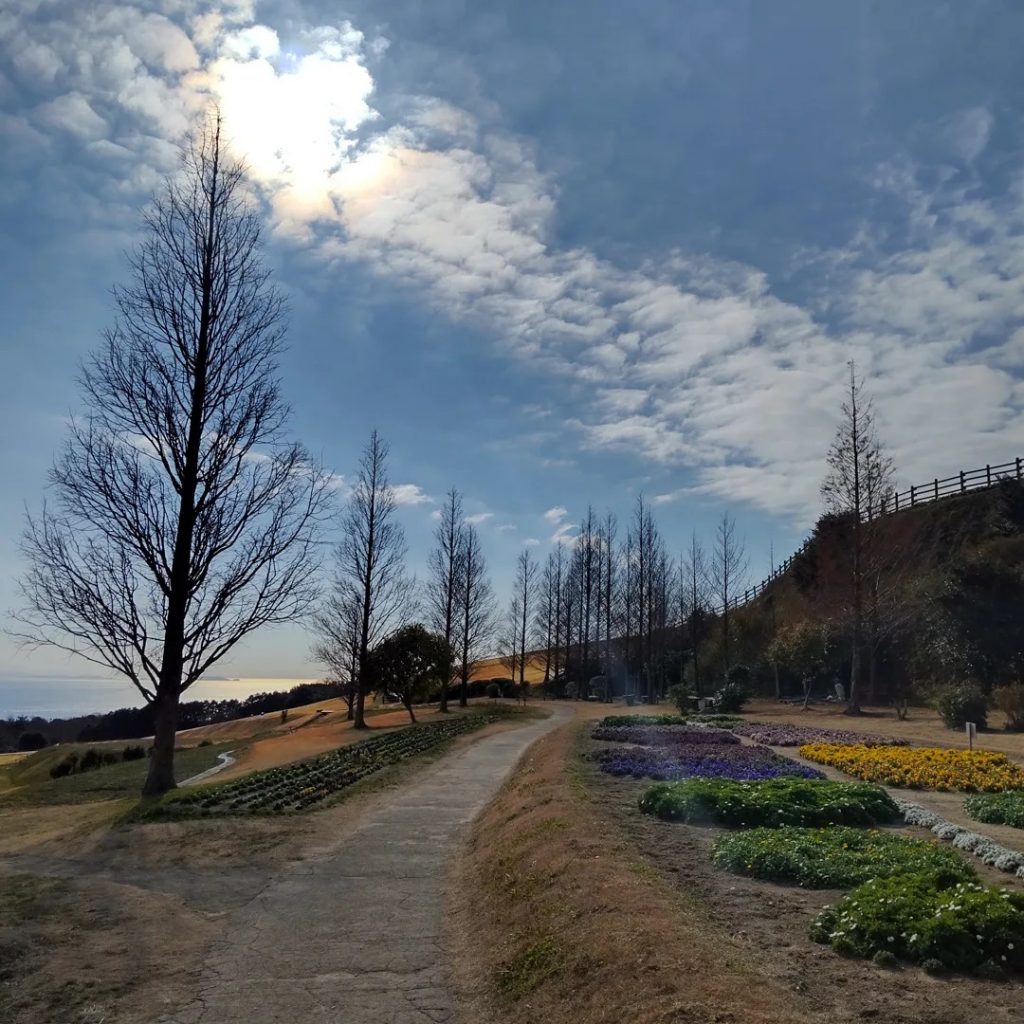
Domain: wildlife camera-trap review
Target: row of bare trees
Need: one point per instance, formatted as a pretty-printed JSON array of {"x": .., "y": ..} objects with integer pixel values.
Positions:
[
  {"x": 617, "y": 614},
  {"x": 372, "y": 595}
]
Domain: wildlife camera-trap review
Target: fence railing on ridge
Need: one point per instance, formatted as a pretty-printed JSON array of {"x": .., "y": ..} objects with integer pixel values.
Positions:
[{"x": 899, "y": 501}]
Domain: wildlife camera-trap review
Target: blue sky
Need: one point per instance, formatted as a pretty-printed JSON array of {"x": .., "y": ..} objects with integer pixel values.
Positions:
[{"x": 555, "y": 253}]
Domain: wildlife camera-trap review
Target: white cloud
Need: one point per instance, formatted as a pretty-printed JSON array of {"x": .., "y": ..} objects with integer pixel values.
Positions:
[
  {"x": 436, "y": 515},
  {"x": 71, "y": 113},
  {"x": 691, "y": 361},
  {"x": 564, "y": 534},
  {"x": 530, "y": 542},
  {"x": 556, "y": 514},
  {"x": 410, "y": 494},
  {"x": 478, "y": 518},
  {"x": 506, "y": 528}
]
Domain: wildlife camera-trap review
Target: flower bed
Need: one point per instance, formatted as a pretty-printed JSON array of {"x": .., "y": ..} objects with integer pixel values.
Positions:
[
  {"x": 997, "y": 808},
  {"x": 987, "y": 851},
  {"x": 921, "y": 767},
  {"x": 714, "y": 760},
  {"x": 835, "y": 858},
  {"x": 296, "y": 787},
  {"x": 774, "y": 802},
  {"x": 910, "y": 917},
  {"x": 665, "y": 735},
  {"x": 796, "y": 735}
]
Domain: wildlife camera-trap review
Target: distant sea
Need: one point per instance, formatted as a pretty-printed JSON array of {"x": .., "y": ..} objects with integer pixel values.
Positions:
[{"x": 69, "y": 696}]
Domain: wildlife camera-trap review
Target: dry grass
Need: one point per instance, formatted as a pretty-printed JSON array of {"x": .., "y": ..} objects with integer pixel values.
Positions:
[{"x": 554, "y": 918}]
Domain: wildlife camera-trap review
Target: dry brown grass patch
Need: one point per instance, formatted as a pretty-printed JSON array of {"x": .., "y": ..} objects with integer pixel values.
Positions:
[{"x": 555, "y": 919}]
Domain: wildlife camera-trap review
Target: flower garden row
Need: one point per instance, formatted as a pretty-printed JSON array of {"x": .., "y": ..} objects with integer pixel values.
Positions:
[
  {"x": 908, "y": 899},
  {"x": 297, "y": 787}
]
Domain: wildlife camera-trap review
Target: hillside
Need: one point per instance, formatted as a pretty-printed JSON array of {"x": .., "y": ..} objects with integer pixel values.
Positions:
[{"x": 944, "y": 598}]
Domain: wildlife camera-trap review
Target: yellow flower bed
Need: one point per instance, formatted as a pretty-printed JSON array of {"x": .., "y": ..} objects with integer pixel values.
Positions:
[{"x": 921, "y": 767}]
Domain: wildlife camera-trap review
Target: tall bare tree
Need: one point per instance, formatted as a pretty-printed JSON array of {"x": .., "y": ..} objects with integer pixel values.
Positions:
[
  {"x": 183, "y": 519},
  {"x": 609, "y": 591},
  {"x": 508, "y": 638},
  {"x": 859, "y": 478},
  {"x": 446, "y": 574},
  {"x": 526, "y": 583},
  {"x": 370, "y": 562},
  {"x": 477, "y": 614},
  {"x": 336, "y": 627},
  {"x": 697, "y": 586},
  {"x": 728, "y": 573}
]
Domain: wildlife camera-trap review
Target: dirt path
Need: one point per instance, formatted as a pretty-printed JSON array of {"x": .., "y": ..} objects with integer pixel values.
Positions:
[{"x": 354, "y": 932}]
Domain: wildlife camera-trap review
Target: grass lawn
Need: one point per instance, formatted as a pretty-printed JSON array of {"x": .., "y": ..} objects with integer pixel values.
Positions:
[{"x": 32, "y": 785}]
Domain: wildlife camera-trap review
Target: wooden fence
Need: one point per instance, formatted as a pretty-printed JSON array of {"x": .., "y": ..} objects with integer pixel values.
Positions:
[{"x": 900, "y": 501}]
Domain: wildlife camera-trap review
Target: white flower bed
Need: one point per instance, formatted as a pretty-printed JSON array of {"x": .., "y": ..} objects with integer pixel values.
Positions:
[{"x": 989, "y": 852}]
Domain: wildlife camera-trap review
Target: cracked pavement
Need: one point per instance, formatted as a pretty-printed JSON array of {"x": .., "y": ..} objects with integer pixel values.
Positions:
[{"x": 354, "y": 933}]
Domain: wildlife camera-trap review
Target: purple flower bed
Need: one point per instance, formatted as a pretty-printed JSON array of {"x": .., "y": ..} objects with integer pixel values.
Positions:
[
  {"x": 664, "y": 735},
  {"x": 795, "y": 735},
  {"x": 721, "y": 761}
]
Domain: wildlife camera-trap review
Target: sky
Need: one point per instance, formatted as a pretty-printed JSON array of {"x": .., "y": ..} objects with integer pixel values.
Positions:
[{"x": 554, "y": 253}]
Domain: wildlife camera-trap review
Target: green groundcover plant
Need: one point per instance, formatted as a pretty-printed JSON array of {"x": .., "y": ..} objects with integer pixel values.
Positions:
[
  {"x": 997, "y": 808},
  {"x": 838, "y": 857},
  {"x": 968, "y": 927},
  {"x": 772, "y": 803},
  {"x": 297, "y": 787}
]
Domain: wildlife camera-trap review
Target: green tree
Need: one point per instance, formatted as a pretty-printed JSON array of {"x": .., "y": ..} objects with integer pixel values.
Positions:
[{"x": 409, "y": 664}]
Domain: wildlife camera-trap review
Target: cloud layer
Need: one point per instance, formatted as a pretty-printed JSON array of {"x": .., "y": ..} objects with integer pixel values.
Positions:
[{"x": 687, "y": 361}]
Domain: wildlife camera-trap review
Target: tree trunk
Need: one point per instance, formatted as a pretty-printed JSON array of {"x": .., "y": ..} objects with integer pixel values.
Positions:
[
  {"x": 160, "y": 777},
  {"x": 412, "y": 715}
]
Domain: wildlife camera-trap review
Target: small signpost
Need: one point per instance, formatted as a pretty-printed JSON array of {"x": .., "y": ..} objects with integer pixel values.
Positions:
[{"x": 972, "y": 731}]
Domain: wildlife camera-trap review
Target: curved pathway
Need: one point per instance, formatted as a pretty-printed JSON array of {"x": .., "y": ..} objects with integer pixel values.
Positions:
[{"x": 354, "y": 933}]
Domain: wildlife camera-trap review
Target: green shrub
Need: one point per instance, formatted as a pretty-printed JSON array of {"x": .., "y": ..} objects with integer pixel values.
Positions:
[
  {"x": 960, "y": 704},
  {"x": 773, "y": 802},
  {"x": 835, "y": 858},
  {"x": 680, "y": 696},
  {"x": 731, "y": 697},
  {"x": 67, "y": 765},
  {"x": 134, "y": 753},
  {"x": 493, "y": 690},
  {"x": 1010, "y": 700},
  {"x": 997, "y": 808},
  {"x": 968, "y": 927}
]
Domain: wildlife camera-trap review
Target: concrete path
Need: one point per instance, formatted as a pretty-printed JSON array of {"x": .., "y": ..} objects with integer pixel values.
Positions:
[
  {"x": 354, "y": 933},
  {"x": 225, "y": 760}
]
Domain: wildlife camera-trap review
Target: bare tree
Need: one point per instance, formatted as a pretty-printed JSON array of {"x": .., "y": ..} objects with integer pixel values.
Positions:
[
  {"x": 336, "y": 626},
  {"x": 526, "y": 581},
  {"x": 183, "y": 518},
  {"x": 696, "y": 584},
  {"x": 860, "y": 475},
  {"x": 477, "y": 598},
  {"x": 609, "y": 591},
  {"x": 446, "y": 574},
  {"x": 508, "y": 639},
  {"x": 370, "y": 568},
  {"x": 728, "y": 572},
  {"x": 546, "y": 613}
]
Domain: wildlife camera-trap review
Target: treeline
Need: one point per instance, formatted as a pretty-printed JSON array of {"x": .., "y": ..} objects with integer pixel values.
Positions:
[
  {"x": 134, "y": 723},
  {"x": 888, "y": 609},
  {"x": 610, "y": 615}
]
